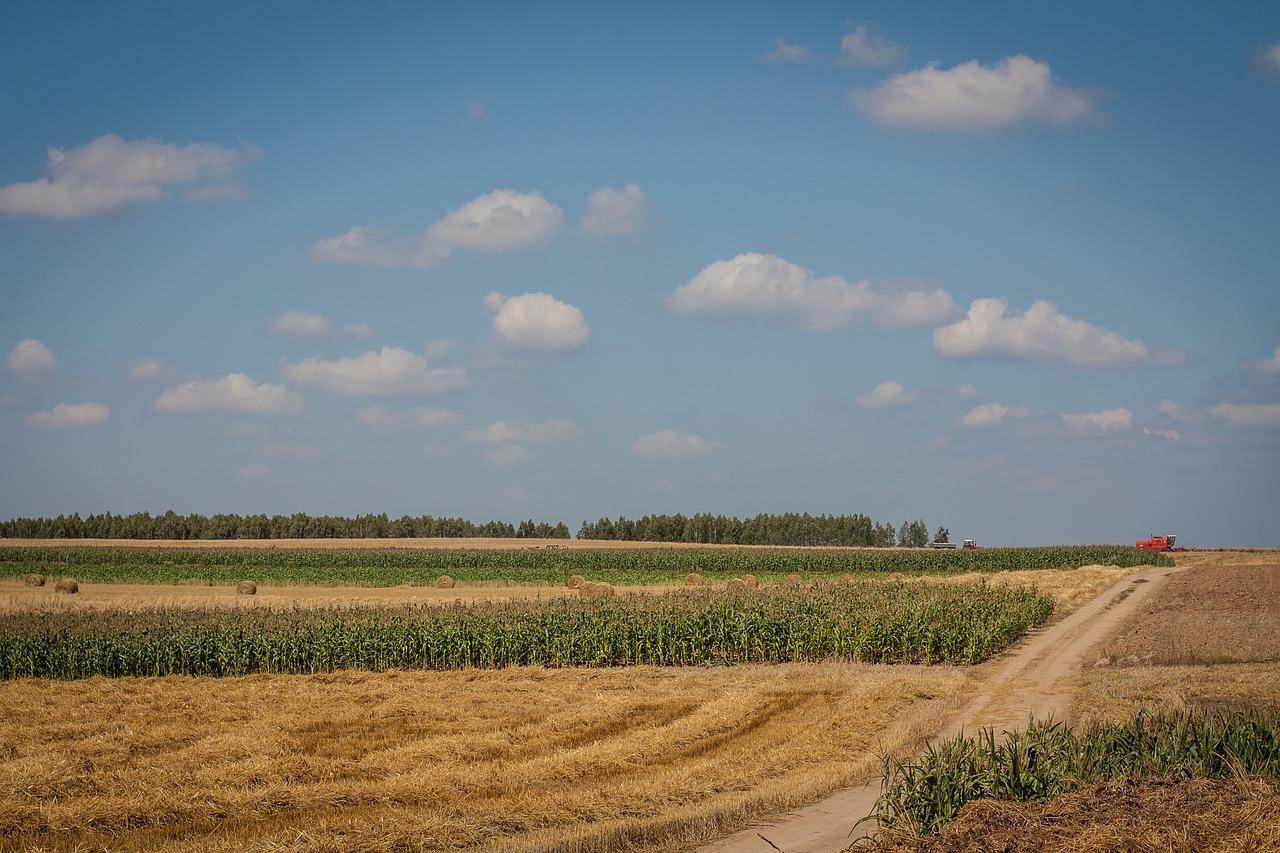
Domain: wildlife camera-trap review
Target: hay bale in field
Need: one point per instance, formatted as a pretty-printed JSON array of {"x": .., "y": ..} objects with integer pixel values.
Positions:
[
  {"x": 445, "y": 582},
  {"x": 33, "y": 579},
  {"x": 246, "y": 588},
  {"x": 693, "y": 579},
  {"x": 792, "y": 580},
  {"x": 591, "y": 589},
  {"x": 736, "y": 583},
  {"x": 751, "y": 581},
  {"x": 67, "y": 586},
  {"x": 576, "y": 582}
]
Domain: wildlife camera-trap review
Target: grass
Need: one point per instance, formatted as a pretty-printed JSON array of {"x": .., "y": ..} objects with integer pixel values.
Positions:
[
  {"x": 875, "y": 622},
  {"x": 619, "y": 566},
  {"x": 921, "y": 796}
]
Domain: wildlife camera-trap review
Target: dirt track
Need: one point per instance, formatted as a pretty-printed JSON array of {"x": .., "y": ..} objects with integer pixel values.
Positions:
[{"x": 1035, "y": 679}]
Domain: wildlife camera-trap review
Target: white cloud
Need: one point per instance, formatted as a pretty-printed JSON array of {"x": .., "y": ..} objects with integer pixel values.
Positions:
[
  {"x": 359, "y": 331},
  {"x": 536, "y": 321},
  {"x": 972, "y": 96},
  {"x": 1110, "y": 420},
  {"x": 508, "y": 454},
  {"x": 234, "y": 392},
  {"x": 937, "y": 443},
  {"x": 478, "y": 109},
  {"x": 1268, "y": 61},
  {"x": 1247, "y": 414},
  {"x": 1174, "y": 410},
  {"x": 754, "y": 283},
  {"x": 418, "y": 416},
  {"x": 887, "y": 395},
  {"x": 1041, "y": 334},
  {"x": 784, "y": 51},
  {"x": 110, "y": 172},
  {"x": 300, "y": 324},
  {"x": 501, "y": 221},
  {"x": 145, "y": 368},
  {"x": 1269, "y": 366},
  {"x": 965, "y": 392},
  {"x": 990, "y": 414},
  {"x": 861, "y": 47},
  {"x": 391, "y": 370},
  {"x": 520, "y": 432},
  {"x": 69, "y": 415},
  {"x": 615, "y": 213},
  {"x": 668, "y": 442},
  {"x": 31, "y": 356},
  {"x": 1167, "y": 434},
  {"x": 249, "y": 473}
]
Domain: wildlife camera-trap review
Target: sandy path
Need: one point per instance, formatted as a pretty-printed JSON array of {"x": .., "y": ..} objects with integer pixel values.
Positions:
[{"x": 1034, "y": 679}]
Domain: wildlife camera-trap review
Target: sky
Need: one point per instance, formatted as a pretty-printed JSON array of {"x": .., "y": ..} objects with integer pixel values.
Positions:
[{"x": 1009, "y": 268}]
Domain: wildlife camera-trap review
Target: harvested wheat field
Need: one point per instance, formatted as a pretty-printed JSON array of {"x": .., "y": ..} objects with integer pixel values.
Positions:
[{"x": 518, "y": 759}]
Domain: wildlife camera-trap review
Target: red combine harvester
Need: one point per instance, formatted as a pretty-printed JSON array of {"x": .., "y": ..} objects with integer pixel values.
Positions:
[{"x": 1159, "y": 543}]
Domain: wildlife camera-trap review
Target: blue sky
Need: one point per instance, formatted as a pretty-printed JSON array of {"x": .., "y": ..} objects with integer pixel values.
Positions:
[{"x": 564, "y": 261}]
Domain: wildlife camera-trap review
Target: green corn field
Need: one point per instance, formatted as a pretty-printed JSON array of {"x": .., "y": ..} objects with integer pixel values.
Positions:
[
  {"x": 921, "y": 796},
  {"x": 385, "y": 567},
  {"x": 892, "y": 623}
]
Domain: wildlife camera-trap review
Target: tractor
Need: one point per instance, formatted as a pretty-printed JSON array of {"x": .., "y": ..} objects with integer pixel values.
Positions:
[{"x": 1159, "y": 543}]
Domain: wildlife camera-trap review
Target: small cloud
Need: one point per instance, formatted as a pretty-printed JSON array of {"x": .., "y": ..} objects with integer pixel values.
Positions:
[
  {"x": 861, "y": 47},
  {"x": 937, "y": 443},
  {"x": 234, "y": 392},
  {"x": 1174, "y": 410},
  {"x": 515, "y": 492},
  {"x": 252, "y": 473},
  {"x": 887, "y": 395},
  {"x": 1267, "y": 61},
  {"x": 110, "y": 172},
  {"x": 1111, "y": 420},
  {"x": 1247, "y": 414},
  {"x": 1167, "y": 434},
  {"x": 972, "y": 96},
  {"x": 990, "y": 414},
  {"x": 145, "y": 368},
  {"x": 69, "y": 415},
  {"x": 965, "y": 392},
  {"x": 718, "y": 477},
  {"x": 301, "y": 324},
  {"x": 665, "y": 486},
  {"x": 478, "y": 109},
  {"x": 668, "y": 442},
  {"x": 1269, "y": 367},
  {"x": 360, "y": 331},
  {"x": 419, "y": 416},
  {"x": 785, "y": 52},
  {"x": 615, "y": 213},
  {"x": 508, "y": 454},
  {"x": 524, "y": 432},
  {"x": 538, "y": 322},
  {"x": 31, "y": 357},
  {"x": 391, "y": 370}
]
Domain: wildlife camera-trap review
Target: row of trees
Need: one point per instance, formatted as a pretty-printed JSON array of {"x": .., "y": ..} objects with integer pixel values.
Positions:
[
  {"x": 171, "y": 525},
  {"x": 786, "y": 529}
]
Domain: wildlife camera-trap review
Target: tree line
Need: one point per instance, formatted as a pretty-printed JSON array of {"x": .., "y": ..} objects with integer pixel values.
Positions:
[
  {"x": 300, "y": 525},
  {"x": 763, "y": 529}
]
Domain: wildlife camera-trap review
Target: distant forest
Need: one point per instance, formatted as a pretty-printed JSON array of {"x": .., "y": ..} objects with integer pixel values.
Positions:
[
  {"x": 786, "y": 529},
  {"x": 171, "y": 525}
]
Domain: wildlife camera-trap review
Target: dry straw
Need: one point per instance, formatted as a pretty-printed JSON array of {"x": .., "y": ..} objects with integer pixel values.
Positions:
[
  {"x": 33, "y": 579},
  {"x": 591, "y": 589},
  {"x": 693, "y": 579},
  {"x": 68, "y": 586},
  {"x": 445, "y": 582},
  {"x": 576, "y": 581},
  {"x": 751, "y": 581},
  {"x": 246, "y": 588}
]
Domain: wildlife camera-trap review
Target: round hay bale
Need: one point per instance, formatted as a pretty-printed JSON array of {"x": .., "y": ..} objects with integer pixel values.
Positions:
[
  {"x": 736, "y": 584},
  {"x": 67, "y": 585},
  {"x": 751, "y": 581},
  {"x": 246, "y": 588},
  {"x": 33, "y": 579},
  {"x": 792, "y": 580},
  {"x": 591, "y": 589},
  {"x": 576, "y": 582},
  {"x": 445, "y": 582},
  {"x": 693, "y": 579}
]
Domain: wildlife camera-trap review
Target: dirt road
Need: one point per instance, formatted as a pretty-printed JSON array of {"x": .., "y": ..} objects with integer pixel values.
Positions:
[{"x": 1033, "y": 679}]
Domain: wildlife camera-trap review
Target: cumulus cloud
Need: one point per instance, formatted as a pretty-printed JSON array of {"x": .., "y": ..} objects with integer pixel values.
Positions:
[
  {"x": 1247, "y": 414},
  {"x": 972, "y": 96},
  {"x": 508, "y": 454},
  {"x": 990, "y": 414},
  {"x": 1167, "y": 434},
  {"x": 524, "y": 432},
  {"x": 537, "y": 321},
  {"x": 249, "y": 473},
  {"x": 1110, "y": 420},
  {"x": 418, "y": 416},
  {"x": 786, "y": 52},
  {"x": 1041, "y": 333},
  {"x": 861, "y": 47},
  {"x": 615, "y": 213},
  {"x": 110, "y": 172},
  {"x": 31, "y": 356},
  {"x": 668, "y": 442},
  {"x": 145, "y": 368},
  {"x": 501, "y": 221},
  {"x": 301, "y": 324},
  {"x": 359, "y": 331},
  {"x": 1174, "y": 410},
  {"x": 965, "y": 392},
  {"x": 234, "y": 392},
  {"x": 754, "y": 283},
  {"x": 69, "y": 415},
  {"x": 1269, "y": 366},
  {"x": 1268, "y": 61},
  {"x": 887, "y": 395},
  {"x": 391, "y": 370}
]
